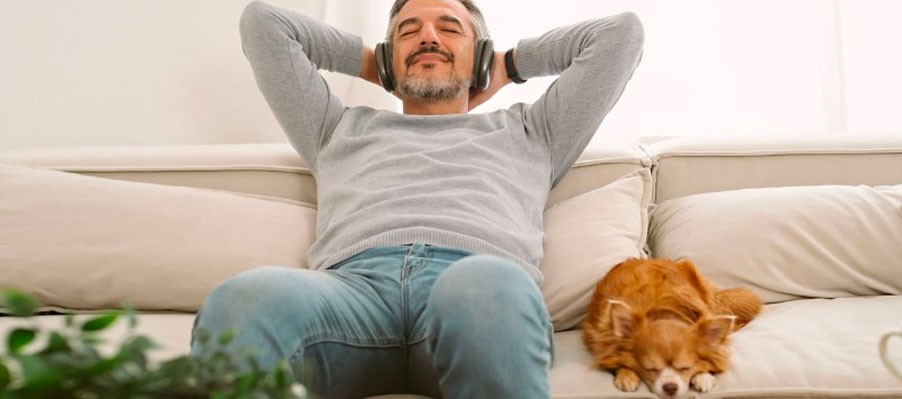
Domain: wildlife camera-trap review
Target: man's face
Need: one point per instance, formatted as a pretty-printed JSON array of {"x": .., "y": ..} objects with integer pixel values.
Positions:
[{"x": 433, "y": 49}]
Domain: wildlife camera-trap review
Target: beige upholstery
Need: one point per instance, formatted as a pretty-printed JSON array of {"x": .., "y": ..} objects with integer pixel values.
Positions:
[
  {"x": 86, "y": 243},
  {"x": 693, "y": 165},
  {"x": 803, "y": 345}
]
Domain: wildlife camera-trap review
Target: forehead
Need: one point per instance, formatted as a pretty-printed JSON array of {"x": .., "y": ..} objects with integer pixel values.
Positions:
[
  {"x": 667, "y": 341},
  {"x": 429, "y": 10}
]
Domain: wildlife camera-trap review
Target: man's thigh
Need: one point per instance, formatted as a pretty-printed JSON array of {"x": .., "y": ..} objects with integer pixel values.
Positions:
[{"x": 339, "y": 330}]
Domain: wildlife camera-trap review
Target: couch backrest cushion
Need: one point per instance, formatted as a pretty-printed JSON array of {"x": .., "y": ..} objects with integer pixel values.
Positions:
[
  {"x": 686, "y": 166},
  {"x": 587, "y": 235},
  {"x": 268, "y": 169},
  {"x": 788, "y": 242},
  {"x": 82, "y": 242},
  {"x": 275, "y": 170}
]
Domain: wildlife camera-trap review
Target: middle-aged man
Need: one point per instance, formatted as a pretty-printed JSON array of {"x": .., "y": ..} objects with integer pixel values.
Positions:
[{"x": 423, "y": 277}]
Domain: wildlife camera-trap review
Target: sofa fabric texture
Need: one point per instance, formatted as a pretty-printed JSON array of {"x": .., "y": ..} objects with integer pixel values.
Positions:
[{"x": 814, "y": 226}]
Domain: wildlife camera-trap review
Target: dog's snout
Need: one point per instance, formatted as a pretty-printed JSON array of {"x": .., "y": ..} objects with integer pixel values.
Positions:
[{"x": 671, "y": 388}]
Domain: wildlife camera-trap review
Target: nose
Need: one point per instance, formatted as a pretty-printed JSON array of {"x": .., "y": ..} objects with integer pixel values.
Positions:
[
  {"x": 428, "y": 35},
  {"x": 670, "y": 388}
]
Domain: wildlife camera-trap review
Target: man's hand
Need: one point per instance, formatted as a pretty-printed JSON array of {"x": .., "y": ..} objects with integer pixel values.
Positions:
[
  {"x": 368, "y": 66},
  {"x": 368, "y": 69},
  {"x": 499, "y": 80}
]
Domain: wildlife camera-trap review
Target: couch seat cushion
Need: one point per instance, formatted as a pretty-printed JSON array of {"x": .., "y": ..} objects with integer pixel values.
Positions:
[{"x": 813, "y": 348}]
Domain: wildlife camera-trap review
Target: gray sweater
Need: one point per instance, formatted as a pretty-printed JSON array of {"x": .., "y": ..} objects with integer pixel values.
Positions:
[{"x": 477, "y": 182}]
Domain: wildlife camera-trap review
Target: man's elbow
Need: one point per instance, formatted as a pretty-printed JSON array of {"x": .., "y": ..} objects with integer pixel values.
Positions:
[
  {"x": 253, "y": 17},
  {"x": 631, "y": 30}
]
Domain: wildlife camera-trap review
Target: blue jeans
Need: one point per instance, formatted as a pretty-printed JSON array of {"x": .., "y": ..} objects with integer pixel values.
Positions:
[{"x": 412, "y": 319}]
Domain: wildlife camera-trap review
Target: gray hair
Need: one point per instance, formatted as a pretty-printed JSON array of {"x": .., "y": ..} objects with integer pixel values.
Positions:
[{"x": 477, "y": 20}]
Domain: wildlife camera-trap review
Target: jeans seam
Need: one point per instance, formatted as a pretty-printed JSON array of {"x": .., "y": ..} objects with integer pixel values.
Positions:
[
  {"x": 405, "y": 288},
  {"x": 344, "y": 340}
]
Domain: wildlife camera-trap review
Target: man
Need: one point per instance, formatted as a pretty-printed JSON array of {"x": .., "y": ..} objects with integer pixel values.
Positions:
[{"x": 429, "y": 230}]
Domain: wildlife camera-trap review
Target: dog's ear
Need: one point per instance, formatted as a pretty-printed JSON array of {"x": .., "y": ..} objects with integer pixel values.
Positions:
[
  {"x": 695, "y": 278},
  {"x": 715, "y": 330},
  {"x": 623, "y": 318}
]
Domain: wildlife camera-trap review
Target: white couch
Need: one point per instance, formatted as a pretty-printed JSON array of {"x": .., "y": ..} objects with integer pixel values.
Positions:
[{"x": 814, "y": 226}]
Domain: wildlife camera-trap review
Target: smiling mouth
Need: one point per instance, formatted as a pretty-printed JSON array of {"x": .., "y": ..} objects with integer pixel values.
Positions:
[
  {"x": 431, "y": 55},
  {"x": 429, "y": 58}
]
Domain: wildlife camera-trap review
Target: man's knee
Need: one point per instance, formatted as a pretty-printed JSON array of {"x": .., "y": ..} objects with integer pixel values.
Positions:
[
  {"x": 484, "y": 282},
  {"x": 260, "y": 293}
]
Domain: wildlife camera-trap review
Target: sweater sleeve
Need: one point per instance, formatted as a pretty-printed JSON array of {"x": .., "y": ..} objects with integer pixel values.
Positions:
[
  {"x": 286, "y": 50},
  {"x": 595, "y": 59}
]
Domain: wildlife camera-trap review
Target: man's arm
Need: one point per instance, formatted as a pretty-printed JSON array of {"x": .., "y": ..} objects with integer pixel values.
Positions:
[
  {"x": 499, "y": 79},
  {"x": 595, "y": 59},
  {"x": 286, "y": 50}
]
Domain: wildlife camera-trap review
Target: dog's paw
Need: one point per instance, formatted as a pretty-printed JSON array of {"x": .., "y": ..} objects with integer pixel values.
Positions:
[
  {"x": 703, "y": 382},
  {"x": 626, "y": 380}
]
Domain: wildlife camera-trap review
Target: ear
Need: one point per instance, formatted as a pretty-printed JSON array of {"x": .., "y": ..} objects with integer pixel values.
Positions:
[
  {"x": 622, "y": 318},
  {"x": 695, "y": 279},
  {"x": 715, "y": 330}
]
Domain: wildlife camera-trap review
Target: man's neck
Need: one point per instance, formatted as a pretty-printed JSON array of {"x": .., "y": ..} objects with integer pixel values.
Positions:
[{"x": 455, "y": 106}]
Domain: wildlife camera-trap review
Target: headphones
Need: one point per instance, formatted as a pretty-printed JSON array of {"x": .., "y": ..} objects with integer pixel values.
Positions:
[{"x": 482, "y": 65}]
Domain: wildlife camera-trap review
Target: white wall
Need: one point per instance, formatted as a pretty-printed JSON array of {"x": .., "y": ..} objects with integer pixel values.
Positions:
[
  {"x": 138, "y": 72},
  {"x": 710, "y": 67}
]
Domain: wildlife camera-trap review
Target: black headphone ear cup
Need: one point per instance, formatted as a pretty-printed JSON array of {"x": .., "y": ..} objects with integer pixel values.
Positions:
[
  {"x": 482, "y": 63},
  {"x": 384, "y": 66}
]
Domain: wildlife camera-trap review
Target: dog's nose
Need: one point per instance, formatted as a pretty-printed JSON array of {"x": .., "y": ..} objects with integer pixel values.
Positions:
[{"x": 671, "y": 388}]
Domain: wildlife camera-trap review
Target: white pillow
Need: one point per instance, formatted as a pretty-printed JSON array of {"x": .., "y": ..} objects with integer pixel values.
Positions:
[
  {"x": 788, "y": 242},
  {"x": 585, "y": 236},
  {"x": 81, "y": 242}
]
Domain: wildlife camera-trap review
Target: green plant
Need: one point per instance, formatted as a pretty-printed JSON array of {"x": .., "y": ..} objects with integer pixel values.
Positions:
[{"x": 69, "y": 363}]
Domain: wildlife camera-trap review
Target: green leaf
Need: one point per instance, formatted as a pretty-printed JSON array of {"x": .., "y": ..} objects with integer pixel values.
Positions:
[
  {"x": 105, "y": 365},
  {"x": 5, "y": 378},
  {"x": 56, "y": 343},
  {"x": 18, "y": 338},
  {"x": 226, "y": 337},
  {"x": 131, "y": 314},
  {"x": 37, "y": 373},
  {"x": 69, "y": 319},
  {"x": 141, "y": 343},
  {"x": 282, "y": 375},
  {"x": 202, "y": 336},
  {"x": 18, "y": 303},
  {"x": 99, "y": 323}
]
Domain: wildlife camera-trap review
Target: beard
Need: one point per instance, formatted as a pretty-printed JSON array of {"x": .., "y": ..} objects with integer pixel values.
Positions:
[{"x": 434, "y": 88}]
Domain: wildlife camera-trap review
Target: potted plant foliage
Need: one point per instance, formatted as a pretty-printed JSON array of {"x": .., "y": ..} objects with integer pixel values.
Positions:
[{"x": 67, "y": 362}]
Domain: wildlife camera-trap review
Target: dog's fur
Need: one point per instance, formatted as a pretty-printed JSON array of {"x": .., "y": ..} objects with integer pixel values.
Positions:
[{"x": 663, "y": 323}]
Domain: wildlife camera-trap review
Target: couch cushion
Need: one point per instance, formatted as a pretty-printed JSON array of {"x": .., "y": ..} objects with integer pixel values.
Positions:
[
  {"x": 83, "y": 242},
  {"x": 813, "y": 348},
  {"x": 587, "y": 235},
  {"x": 788, "y": 242},
  {"x": 270, "y": 169},
  {"x": 692, "y": 165},
  {"x": 275, "y": 169},
  {"x": 800, "y": 349}
]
